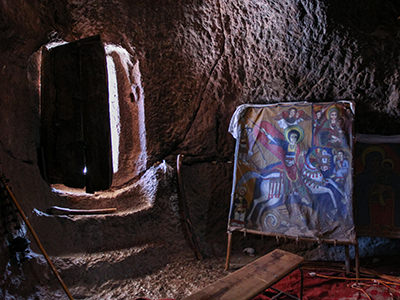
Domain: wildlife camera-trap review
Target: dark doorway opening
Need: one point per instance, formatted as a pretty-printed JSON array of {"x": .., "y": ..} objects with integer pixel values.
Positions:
[{"x": 75, "y": 121}]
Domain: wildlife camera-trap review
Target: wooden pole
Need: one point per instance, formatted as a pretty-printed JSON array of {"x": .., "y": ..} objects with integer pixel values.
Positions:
[
  {"x": 35, "y": 236},
  {"x": 228, "y": 251}
]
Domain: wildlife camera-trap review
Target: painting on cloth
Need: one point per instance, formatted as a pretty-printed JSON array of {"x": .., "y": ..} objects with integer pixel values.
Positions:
[
  {"x": 377, "y": 185},
  {"x": 293, "y": 170}
]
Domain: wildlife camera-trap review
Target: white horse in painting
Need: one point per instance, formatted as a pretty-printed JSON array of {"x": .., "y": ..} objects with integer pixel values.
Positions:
[{"x": 271, "y": 189}]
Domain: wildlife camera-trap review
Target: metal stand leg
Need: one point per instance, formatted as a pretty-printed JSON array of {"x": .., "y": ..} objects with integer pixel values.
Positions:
[
  {"x": 347, "y": 261},
  {"x": 228, "y": 251},
  {"x": 301, "y": 283},
  {"x": 357, "y": 259}
]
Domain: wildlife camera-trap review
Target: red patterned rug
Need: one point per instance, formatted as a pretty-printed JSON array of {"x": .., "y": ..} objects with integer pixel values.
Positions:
[{"x": 331, "y": 285}]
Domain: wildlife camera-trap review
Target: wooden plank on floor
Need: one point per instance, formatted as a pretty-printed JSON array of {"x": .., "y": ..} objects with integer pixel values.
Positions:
[{"x": 252, "y": 279}]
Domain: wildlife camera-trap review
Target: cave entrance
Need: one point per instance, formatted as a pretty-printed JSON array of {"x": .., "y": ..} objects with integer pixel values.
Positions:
[{"x": 86, "y": 90}]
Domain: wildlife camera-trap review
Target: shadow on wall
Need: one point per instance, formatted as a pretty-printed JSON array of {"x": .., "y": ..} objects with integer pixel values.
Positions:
[
  {"x": 207, "y": 188},
  {"x": 374, "y": 26},
  {"x": 364, "y": 16},
  {"x": 374, "y": 23},
  {"x": 372, "y": 122}
]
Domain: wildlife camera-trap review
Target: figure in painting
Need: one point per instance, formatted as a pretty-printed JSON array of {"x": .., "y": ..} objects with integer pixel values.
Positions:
[
  {"x": 329, "y": 133},
  {"x": 317, "y": 122},
  {"x": 341, "y": 167},
  {"x": 269, "y": 191},
  {"x": 318, "y": 174},
  {"x": 240, "y": 207},
  {"x": 293, "y": 137},
  {"x": 284, "y": 147},
  {"x": 246, "y": 144},
  {"x": 324, "y": 162},
  {"x": 377, "y": 190},
  {"x": 372, "y": 159},
  {"x": 291, "y": 117},
  {"x": 381, "y": 202}
]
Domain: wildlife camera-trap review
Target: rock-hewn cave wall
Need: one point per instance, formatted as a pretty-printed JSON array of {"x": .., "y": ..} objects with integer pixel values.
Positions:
[{"x": 199, "y": 60}]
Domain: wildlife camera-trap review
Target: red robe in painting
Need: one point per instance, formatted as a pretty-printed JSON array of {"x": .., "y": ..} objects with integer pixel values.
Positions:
[{"x": 274, "y": 141}]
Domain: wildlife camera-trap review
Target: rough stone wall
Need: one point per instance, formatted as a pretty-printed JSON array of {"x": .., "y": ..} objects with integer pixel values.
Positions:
[{"x": 199, "y": 60}]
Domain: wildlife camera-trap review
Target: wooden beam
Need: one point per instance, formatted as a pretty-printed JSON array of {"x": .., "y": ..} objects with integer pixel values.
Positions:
[{"x": 252, "y": 279}]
